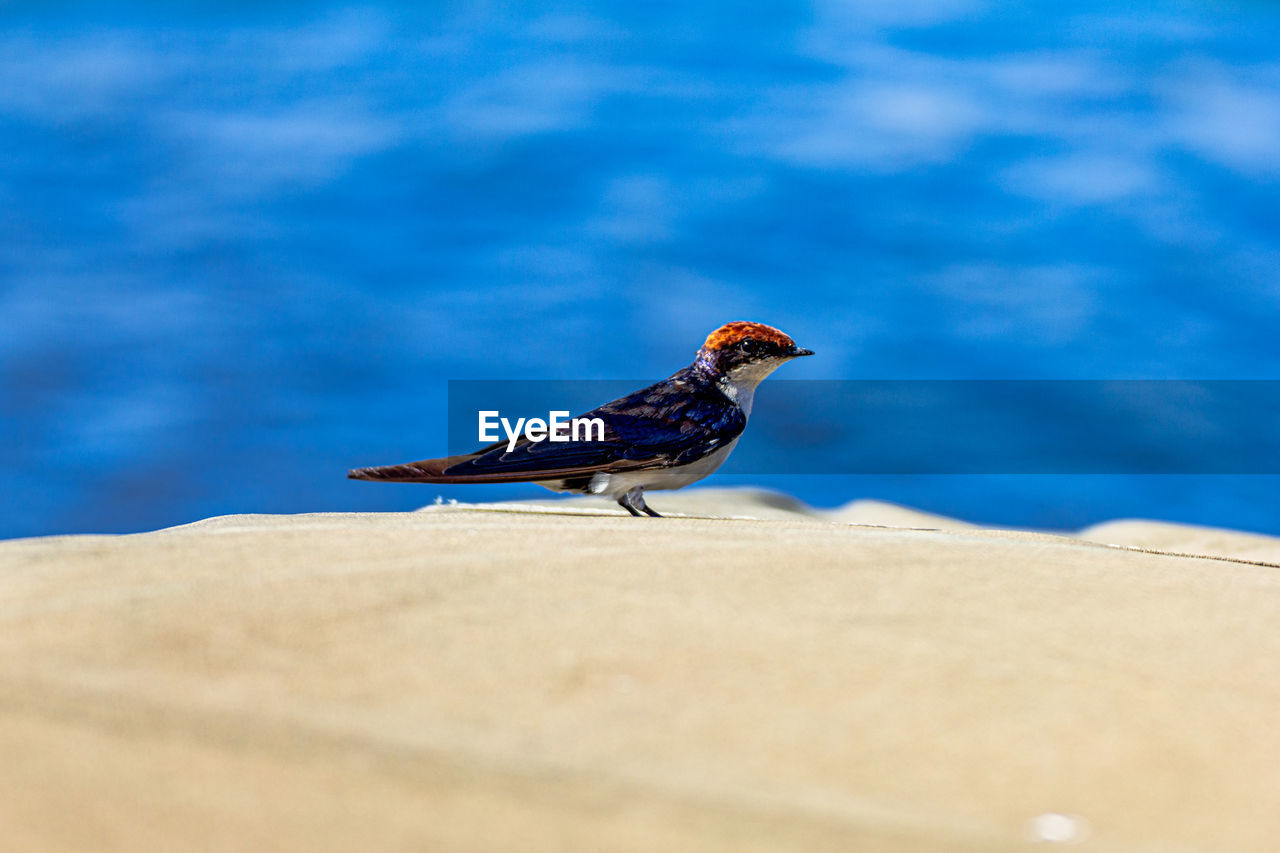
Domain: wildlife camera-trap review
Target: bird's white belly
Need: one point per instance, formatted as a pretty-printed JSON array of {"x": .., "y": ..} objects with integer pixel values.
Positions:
[{"x": 616, "y": 485}]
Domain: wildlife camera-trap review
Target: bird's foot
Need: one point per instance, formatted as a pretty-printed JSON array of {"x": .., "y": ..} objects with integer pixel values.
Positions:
[{"x": 633, "y": 502}]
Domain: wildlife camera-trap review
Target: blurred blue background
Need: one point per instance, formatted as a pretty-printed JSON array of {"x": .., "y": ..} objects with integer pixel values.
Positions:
[{"x": 243, "y": 246}]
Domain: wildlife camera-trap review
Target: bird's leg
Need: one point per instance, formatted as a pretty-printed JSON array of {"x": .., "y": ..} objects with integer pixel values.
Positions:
[
  {"x": 633, "y": 502},
  {"x": 628, "y": 499},
  {"x": 638, "y": 502}
]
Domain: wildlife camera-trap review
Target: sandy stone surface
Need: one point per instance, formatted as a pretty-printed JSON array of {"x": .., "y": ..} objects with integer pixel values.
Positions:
[{"x": 562, "y": 678}]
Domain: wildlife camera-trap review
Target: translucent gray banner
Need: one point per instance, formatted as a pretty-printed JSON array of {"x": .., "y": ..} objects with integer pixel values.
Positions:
[{"x": 951, "y": 427}]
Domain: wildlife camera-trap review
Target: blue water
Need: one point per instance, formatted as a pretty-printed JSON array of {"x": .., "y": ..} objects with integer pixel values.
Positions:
[{"x": 243, "y": 247}]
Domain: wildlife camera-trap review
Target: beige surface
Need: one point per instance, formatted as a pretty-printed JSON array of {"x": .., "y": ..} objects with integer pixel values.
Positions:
[
  {"x": 502, "y": 681},
  {"x": 746, "y": 503},
  {"x": 1185, "y": 538}
]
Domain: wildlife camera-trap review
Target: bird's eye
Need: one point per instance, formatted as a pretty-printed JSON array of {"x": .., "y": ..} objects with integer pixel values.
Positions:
[{"x": 748, "y": 345}]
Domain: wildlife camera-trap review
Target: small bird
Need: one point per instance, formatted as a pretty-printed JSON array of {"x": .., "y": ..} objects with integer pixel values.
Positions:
[{"x": 666, "y": 436}]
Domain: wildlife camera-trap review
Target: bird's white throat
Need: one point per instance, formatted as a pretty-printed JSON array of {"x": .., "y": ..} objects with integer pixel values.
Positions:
[{"x": 739, "y": 383}]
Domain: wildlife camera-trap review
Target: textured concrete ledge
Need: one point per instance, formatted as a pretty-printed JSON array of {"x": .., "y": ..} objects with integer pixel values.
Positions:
[{"x": 557, "y": 678}]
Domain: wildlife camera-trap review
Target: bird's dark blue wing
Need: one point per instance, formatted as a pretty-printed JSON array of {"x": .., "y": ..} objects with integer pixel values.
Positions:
[{"x": 672, "y": 423}]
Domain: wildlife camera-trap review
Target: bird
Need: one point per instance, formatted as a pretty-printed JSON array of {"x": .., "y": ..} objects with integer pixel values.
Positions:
[{"x": 665, "y": 436}]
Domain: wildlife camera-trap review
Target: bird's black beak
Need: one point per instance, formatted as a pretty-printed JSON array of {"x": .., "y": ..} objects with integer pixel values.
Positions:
[{"x": 796, "y": 352}]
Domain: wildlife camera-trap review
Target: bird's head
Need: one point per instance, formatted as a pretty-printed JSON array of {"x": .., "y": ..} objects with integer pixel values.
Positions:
[{"x": 746, "y": 353}]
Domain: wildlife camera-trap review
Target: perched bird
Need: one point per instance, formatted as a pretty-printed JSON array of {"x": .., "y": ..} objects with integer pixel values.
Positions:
[{"x": 666, "y": 436}]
